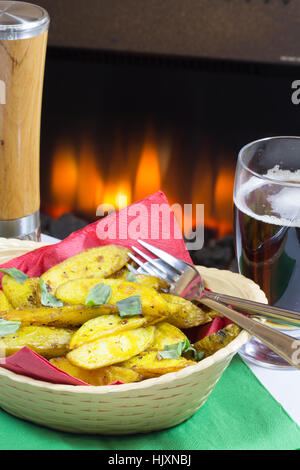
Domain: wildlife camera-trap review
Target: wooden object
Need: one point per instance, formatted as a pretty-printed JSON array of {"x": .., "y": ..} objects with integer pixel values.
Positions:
[{"x": 22, "y": 70}]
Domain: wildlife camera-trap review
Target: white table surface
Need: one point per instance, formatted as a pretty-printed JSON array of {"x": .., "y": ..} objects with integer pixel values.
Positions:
[{"x": 284, "y": 385}]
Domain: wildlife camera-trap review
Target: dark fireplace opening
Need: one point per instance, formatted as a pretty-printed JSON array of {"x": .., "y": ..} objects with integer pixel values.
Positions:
[{"x": 120, "y": 125}]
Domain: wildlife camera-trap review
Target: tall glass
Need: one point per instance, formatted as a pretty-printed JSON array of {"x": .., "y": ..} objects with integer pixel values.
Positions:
[
  {"x": 267, "y": 229},
  {"x": 23, "y": 42}
]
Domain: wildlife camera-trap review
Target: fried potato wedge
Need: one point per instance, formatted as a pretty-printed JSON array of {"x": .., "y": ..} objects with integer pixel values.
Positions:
[
  {"x": 99, "y": 262},
  {"x": 142, "y": 279},
  {"x": 46, "y": 341},
  {"x": 115, "y": 373},
  {"x": 166, "y": 334},
  {"x": 152, "y": 281},
  {"x": 212, "y": 343},
  {"x": 183, "y": 313},
  {"x": 149, "y": 366},
  {"x": 154, "y": 307},
  {"x": 112, "y": 349},
  {"x": 95, "y": 377},
  {"x": 65, "y": 317},
  {"x": 122, "y": 274},
  {"x": 4, "y": 302},
  {"x": 104, "y": 325},
  {"x": 22, "y": 295}
]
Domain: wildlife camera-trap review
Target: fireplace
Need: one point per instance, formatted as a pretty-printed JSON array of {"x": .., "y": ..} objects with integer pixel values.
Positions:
[{"x": 123, "y": 124}]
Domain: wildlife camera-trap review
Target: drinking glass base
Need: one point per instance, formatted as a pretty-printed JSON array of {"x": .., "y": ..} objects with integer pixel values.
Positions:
[{"x": 259, "y": 354}]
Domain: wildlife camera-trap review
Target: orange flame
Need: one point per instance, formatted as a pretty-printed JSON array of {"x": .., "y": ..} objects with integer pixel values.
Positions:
[
  {"x": 90, "y": 184},
  {"x": 223, "y": 196},
  {"x": 117, "y": 195},
  {"x": 78, "y": 184},
  {"x": 148, "y": 176},
  {"x": 64, "y": 179}
]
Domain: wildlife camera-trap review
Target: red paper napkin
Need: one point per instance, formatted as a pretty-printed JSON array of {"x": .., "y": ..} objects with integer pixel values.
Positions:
[
  {"x": 27, "y": 362},
  {"x": 141, "y": 220}
]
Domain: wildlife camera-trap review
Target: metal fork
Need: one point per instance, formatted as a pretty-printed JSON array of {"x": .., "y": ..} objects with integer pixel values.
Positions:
[{"x": 186, "y": 281}]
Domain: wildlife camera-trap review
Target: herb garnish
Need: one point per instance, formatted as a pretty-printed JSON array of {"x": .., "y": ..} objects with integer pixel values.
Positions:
[
  {"x": 175, "y": 351},
  {"x": 47, "y": 299},
  {"x": 98, "y": 295},
  {"x": 8, "y": 327},
  {"x": 18, "y": 275},
  {"x": 130, "y": 307},
  {"x": 131, "y": 278}
]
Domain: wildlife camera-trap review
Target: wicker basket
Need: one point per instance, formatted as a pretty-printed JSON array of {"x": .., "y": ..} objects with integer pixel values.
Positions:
[{"x": 151, "y": 405}]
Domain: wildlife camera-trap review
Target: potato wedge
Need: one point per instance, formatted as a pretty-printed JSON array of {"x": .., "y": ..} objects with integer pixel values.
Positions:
[
  {"x": 154, "y": 307},
  {"x": 183, "y": 313},
  {"x": 46, "y": 341},
  {"x": 121, "y": 274},
  {"x": 95, "y": 377},
  {"x": 104, "y": 326},
  {"x": 115, "y": 373},
  {"x": 22, "y": 295},
  {"x": 212, "y": 343},
  {"x": 148, "y": 365},
  {"x": 4, "y": 302},
  {"x": 152, "y": 281},
  {"x": 99, "y": 262},
  {"x": 142, "y": 279},
  {"x": 112, "y": 349},
  {"x": 166, "y": 334},
  {"x": 67, "y": 316}
]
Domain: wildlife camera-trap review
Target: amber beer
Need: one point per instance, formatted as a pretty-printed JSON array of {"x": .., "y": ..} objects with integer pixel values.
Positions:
[
  {"x": 23, "y": 42},
  {"x": 267, "y": 226}
]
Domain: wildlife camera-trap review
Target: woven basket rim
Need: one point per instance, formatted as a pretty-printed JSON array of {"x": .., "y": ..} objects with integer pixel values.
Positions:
[{"x": 217, "y": 357}]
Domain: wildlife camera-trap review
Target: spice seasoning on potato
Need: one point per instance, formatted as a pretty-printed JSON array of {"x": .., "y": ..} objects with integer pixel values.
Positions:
[
  {"x": 4, "y": 302},
  {"x": 122, "y": 274},
  {"x": 152, "y": 281},
  {"x": 150, "y": 365},
  {"x": 44, "y": 340},
  {"x": 66, "y": 316},
  {"x": 212, "y": 343},
  {"x": 119, "y": 373},
  {"x": 97, "y": 262},
  {"x": 90, "y": 377},
  {"x": 112, "y": 349},
  {"x": 183, "y": 313},
  {"x": 154, "y": 307},
  {"x": 104, "y": 326},
  {"x": 22, "y": 295},
  {"x": 97, "y": 377},
  {"x": 166, "y": 334}
]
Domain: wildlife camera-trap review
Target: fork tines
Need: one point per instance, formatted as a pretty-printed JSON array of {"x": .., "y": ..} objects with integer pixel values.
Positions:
[{"x": 166, "y": 266}]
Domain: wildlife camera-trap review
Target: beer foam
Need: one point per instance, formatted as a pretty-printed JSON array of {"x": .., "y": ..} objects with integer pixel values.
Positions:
[
  {"x": 283, "y": 175},
  {"x": 285, "y": 204}
]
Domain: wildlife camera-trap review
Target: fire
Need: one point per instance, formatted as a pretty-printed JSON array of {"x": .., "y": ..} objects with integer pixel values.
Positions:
[
  {"x": 64, "y": 179},
  {"x": 148, "y": 176},
  {"x": 215, "y": 191},
  {"x": 223, "y": 196},
  {"x": 117, "y": 195},
  {"x": 79, "y": 183},
  {"x": 90, "y": 184}
]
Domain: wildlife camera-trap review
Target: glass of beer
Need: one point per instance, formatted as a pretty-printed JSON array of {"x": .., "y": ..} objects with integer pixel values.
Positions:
[{"x": 267, "y": 230}]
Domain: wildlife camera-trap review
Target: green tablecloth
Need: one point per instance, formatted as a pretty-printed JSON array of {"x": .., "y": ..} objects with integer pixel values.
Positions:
[{"x": 239, "y": 414}]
